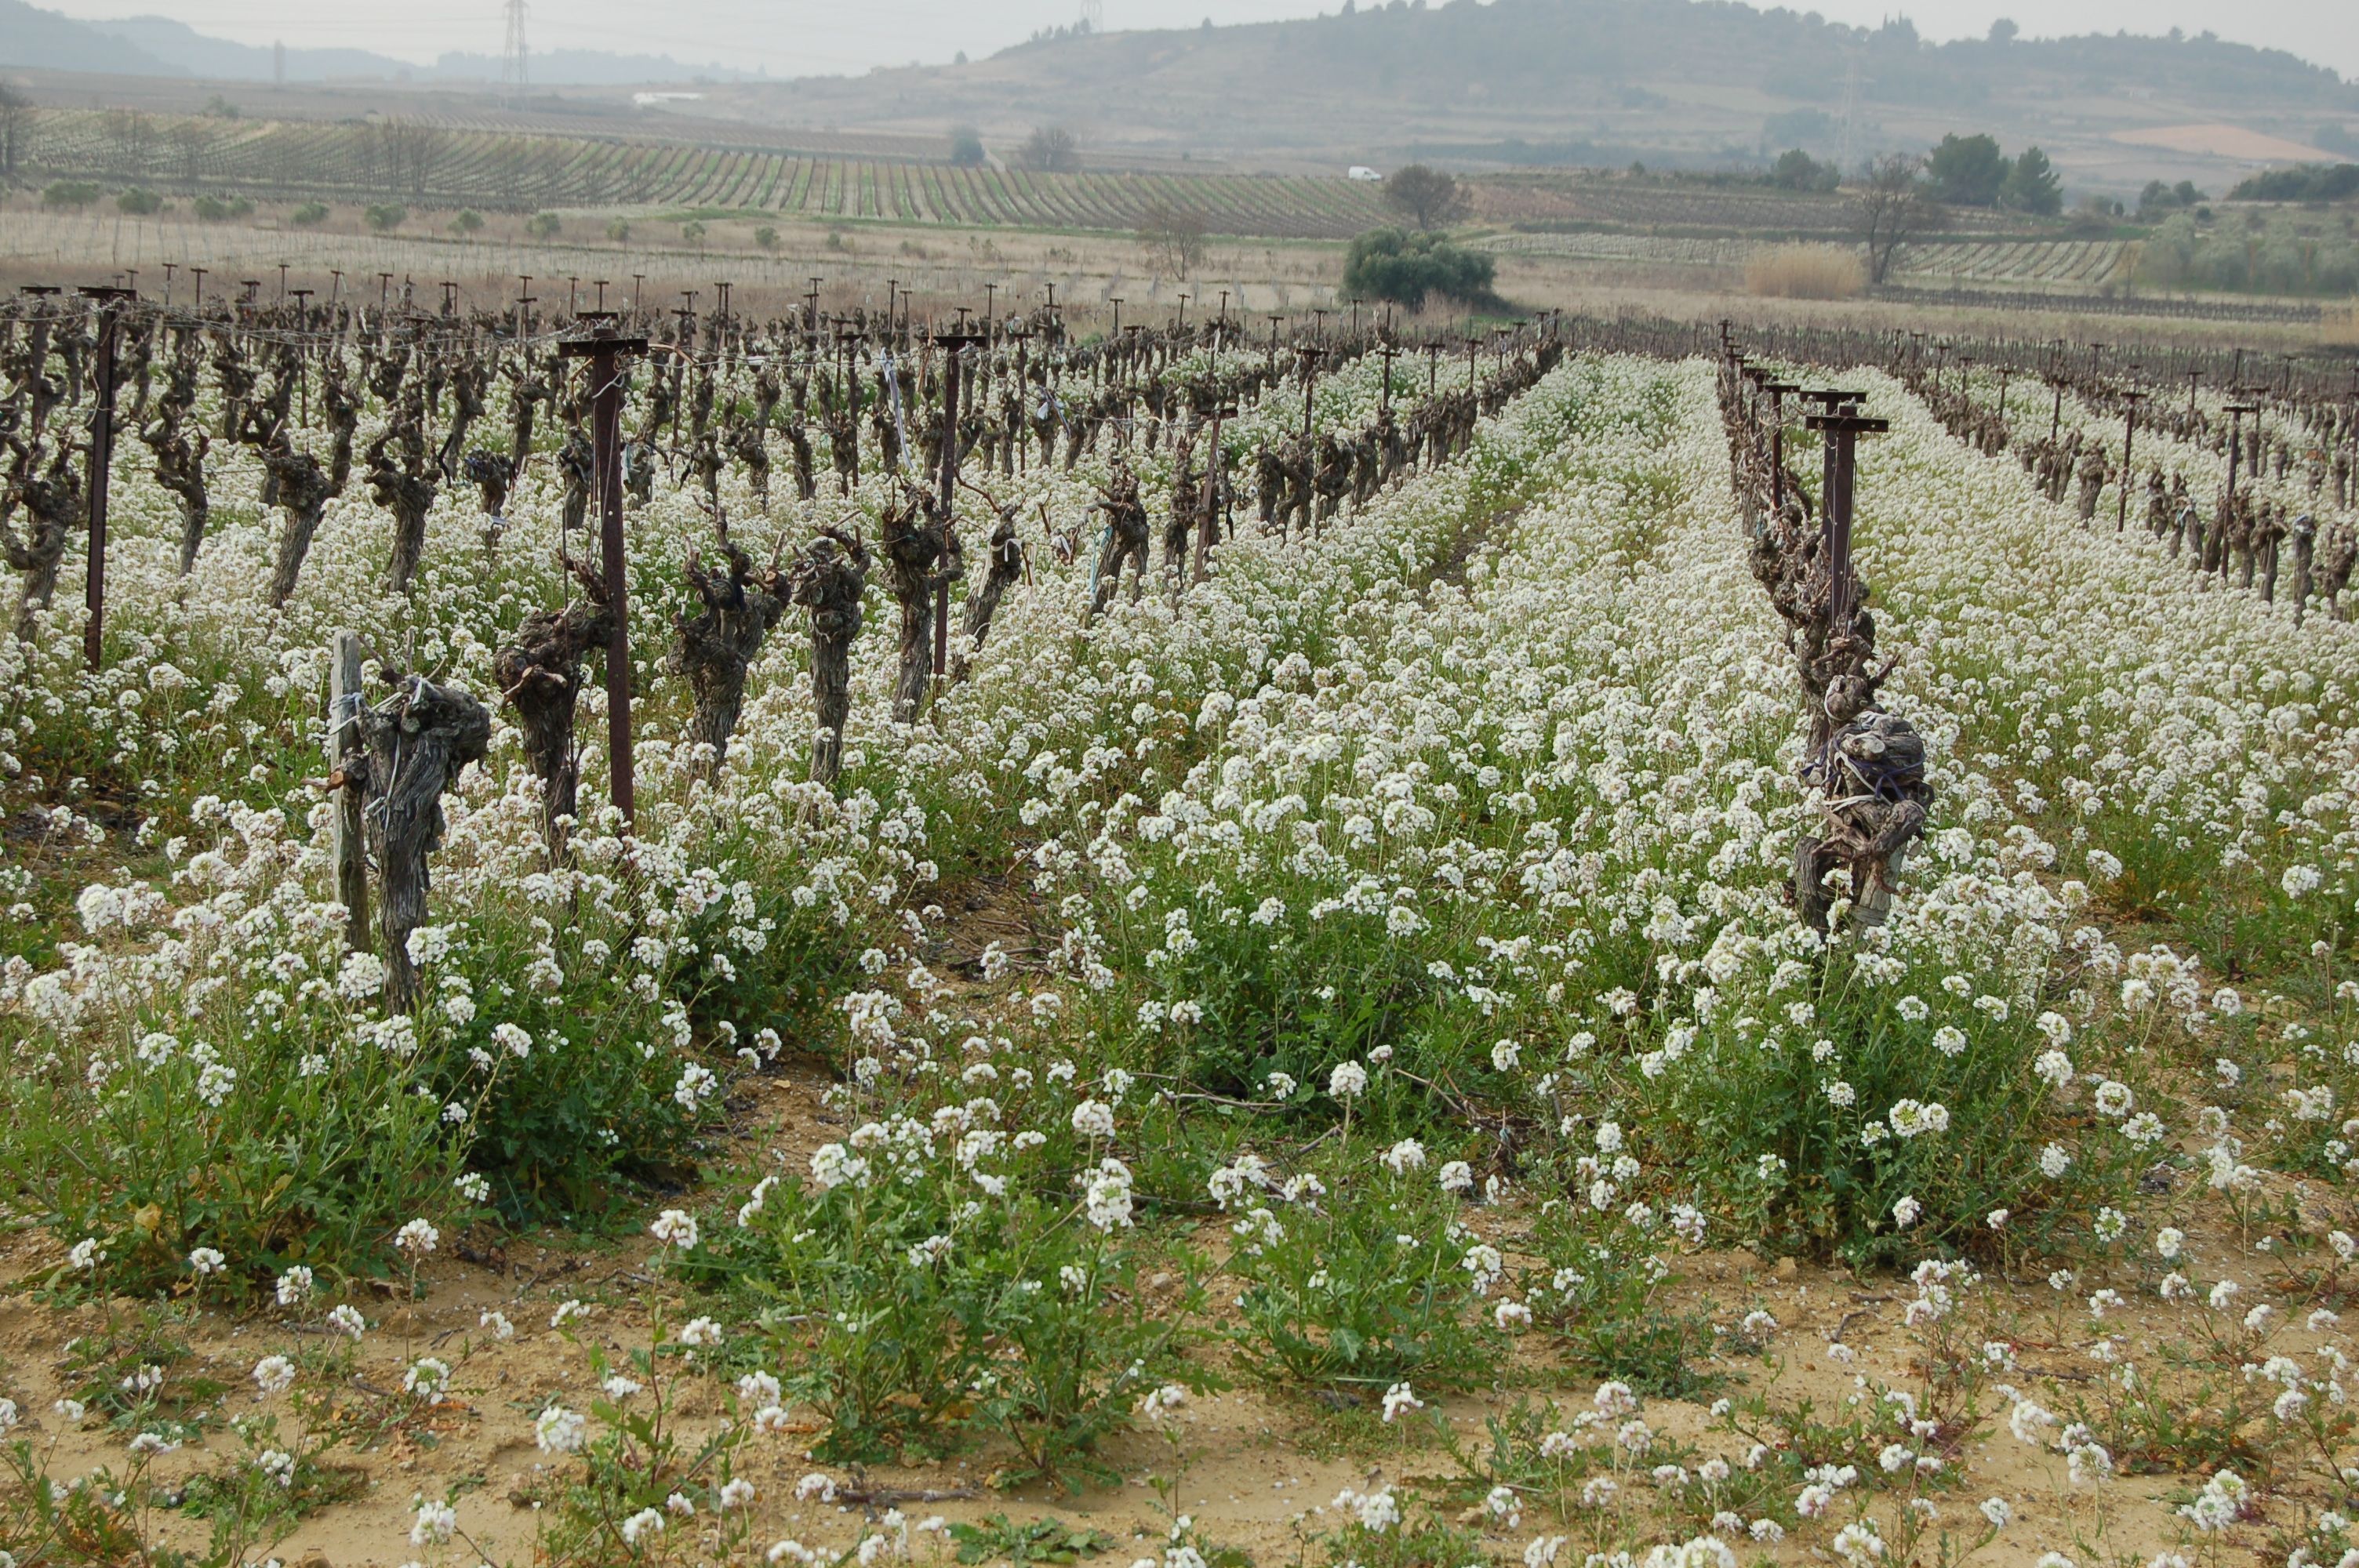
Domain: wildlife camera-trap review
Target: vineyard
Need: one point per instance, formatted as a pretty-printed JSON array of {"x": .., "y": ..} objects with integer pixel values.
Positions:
[
  {"x": 447, "y": 166},
  {"x": 838, "y": 940},
  {"x": 2061, "y": 265},
  {"x": 2036, "y": 263}
]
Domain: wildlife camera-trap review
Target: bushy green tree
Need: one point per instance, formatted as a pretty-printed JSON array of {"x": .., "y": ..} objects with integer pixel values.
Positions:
[
  {"x": 1798, "y": 170},
  {"x": 1426, "y": 196},
  {"x": 2032, "y": 185},
  {"x": 1386, "y": 264},
  {"x": 966, "y": 148},
  {"x": 543, "y": 225},
  {"x": 1967, "y": 171}
]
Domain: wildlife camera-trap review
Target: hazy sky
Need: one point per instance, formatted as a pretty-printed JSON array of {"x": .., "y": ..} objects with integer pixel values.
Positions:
[{"x": 803, "y": 36}]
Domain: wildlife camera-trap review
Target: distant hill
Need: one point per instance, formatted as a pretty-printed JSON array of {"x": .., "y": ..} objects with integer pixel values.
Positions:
[
  {"x": 31, "y": 36},
  {"x": 159, "y": 46},
  {"x": 585, "y": 67},
  {"x": 1681, "y": 82},
  {"x": 188, "y": 53}
]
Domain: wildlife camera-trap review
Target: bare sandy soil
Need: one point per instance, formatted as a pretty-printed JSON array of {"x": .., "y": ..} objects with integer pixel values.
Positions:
[{"x": 1263, "y": 1465}]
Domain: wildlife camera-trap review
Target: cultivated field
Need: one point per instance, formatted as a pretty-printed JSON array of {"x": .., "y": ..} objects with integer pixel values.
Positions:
[
  {"x": 448, "y": 166},
  {"x": 1305, "y": 1045}
]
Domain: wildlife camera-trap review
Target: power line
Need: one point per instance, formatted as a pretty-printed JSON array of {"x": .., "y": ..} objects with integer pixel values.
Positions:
[{"x": 512, "y": 56}]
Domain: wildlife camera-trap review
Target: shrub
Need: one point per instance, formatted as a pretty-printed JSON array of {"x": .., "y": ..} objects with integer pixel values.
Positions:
[
  {"x": 69, "y": 194},
  {"x": 1601, "y": 1286},
  {"x": 543, "y": 225},
  {"x": 218, "y": 210},
  {"x": 1360, "y": 1272},
  {"x": 2305, "y": 182},
  {"x": 138, "y": 202},
  {"x": 1386, "y": 264},
  {"x": 1805, "y": 272},
  {"x": 618, "y": 230},
  {"x": 693, "y": 231},
  {"x": 767, "y": 237},
  {"x": 919, "y": 1317},
  {"x": 467, "y": 221},
  {"x": 966, "y": 148},
  {"x": 385, "y": 216},
  {"x": 309, "y": 215}
]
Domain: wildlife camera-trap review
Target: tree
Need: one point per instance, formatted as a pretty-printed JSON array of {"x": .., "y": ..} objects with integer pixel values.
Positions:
[
  {"x": 15, "y": 120},
  {"x": 1892, "y": 210},
  {"x": 1051, "y": 149},
  {"x": 1426, "y": 195},
  {"x": 1385, "y": 264},
  {"x": 1798, "y": 170},
  {"x": 2004, "y": 31},
  {"x": 2032, "y": 185},
  {"x": 966, "y": 148},
  {"x": 1174, "y": 239},
  {"x": 1966, "y": 171},
  {"x": 543, "y": 225},
  {"x": 413, "y": 150}
]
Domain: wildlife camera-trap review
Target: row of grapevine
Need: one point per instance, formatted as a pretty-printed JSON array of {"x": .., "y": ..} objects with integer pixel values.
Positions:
[{"x": 456, "y": 164}]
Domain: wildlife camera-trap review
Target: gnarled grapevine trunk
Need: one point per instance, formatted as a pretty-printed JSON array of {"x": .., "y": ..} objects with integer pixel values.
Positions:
[
  {"x": 300, "y": 486},
  {"x": 180, "y": 468},
  {"x": 1003, "y": 563},
  {"x": 540, "y": 675},
  {"x": 828, "y": 581},
  {"x": 716, "y": 648},
  {"x": 53, "y": 505},
  {"x": 416, "y": 743},
  {"x": 913, "y": 541}
]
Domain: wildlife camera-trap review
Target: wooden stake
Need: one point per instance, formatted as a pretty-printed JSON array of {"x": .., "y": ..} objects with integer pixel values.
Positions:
[{"x": 347, "y": 842}]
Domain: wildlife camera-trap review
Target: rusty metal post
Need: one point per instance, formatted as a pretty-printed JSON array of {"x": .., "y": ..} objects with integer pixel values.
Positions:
[
  {"x": 102, "y": 458},
  {"x": 603, "y": 349},
  {"x": 1843, "y": 431},
  {"x": 952, "y": 344},
  {"x": 2129, "y": 443}
]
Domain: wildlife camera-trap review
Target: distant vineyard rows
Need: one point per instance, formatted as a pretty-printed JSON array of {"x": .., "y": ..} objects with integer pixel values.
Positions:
[
  {"x": 2072, "y": 262},
  {"x": 2084, "y": 262},
  {"x": 453, "y": 166}
]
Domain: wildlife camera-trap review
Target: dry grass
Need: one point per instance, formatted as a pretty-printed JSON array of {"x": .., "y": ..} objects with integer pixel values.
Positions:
[
  {"x": 2339, "y": 327},
  {"x": 1805, "y": 272}
]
